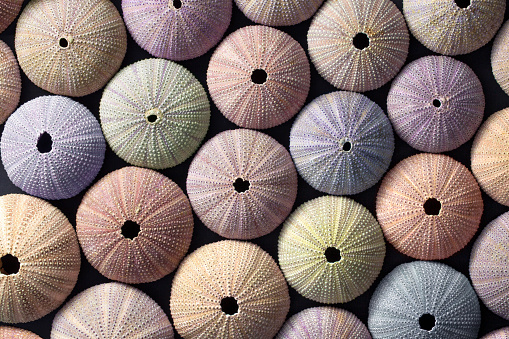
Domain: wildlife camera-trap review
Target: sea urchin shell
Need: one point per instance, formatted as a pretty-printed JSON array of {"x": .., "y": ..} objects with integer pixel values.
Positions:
[
  {"x": 10, "y": 81},
  {"x": 502, "y": 333},
  {"x": 7, "y": 332},
  {"x": 39, "y": 256},
  {"x": 135, "y": 225},
  {"x": 111, "y": 310},
  {"x": 278, "y": 12},
  {"x": 242, "y": 184},
  {"x": 331, "y": 249},
  {"x": 500, "y": 58},
  {"x": 229, "y": 289},
  {"x": 9, "y": 9}
]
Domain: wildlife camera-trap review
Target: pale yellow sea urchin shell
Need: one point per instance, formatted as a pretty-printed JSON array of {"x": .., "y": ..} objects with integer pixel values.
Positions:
[
  {"x": 7, "y": 332},
  {"x": 10, "y": 82},
  {"x": 331, "y": 249},
  {"x": 278, "y": 12},
  {"x": 39, "y": 256},
  {"x": 70, "y": 47},
  {"x": 229, "y": 289}
]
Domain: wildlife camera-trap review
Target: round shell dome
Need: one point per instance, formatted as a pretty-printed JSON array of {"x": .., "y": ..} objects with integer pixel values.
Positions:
[
  {"x": 423, "y": 300},
  {"x": 259, "y": 77},
  {"x": 490, "y": 156},
  {"x": 39, "y": 257},
  {"x": 325, "y": 323},
  {"x": 342, "y": 143},
  {"x": 111, "y": 310},
  {"x": 17, "y": 333},
  {"x": 174, "y": 29},
  {"x": 52, "y": 147},
  {"x": 488, "y": 266},
  {"x": 10, "y": 81},
  {"x": 500, "y": 58},
  {"x": 454, "y": 27},
  {"x": 9, "y": 10},
  {"x": 229, "y": 289},
  {"x": 278, "y": 12},
  {"x": 502, "y": 333},
  {"x": 135, "y": 225},
  {"x": 154, "y": 113},
  {"x": 242, "y": 184},
  {"x": 358, "y": 45},
  {"x": 70, "y": 47},
  {"x": 331, "y": 249},
  {"x": 429, "y": 206},
  {"x": 436, "y": 104}
]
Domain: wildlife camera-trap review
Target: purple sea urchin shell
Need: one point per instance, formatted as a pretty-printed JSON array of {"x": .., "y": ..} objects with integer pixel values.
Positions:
[
  {"x": 436, "y": 104},
  {"x": 9, "y": 9},
  {"x": 358, "y": 45},
  {"x": 10, "y": 81},
  {"x": 324, "y": 323},
  {"x": 242, "y": 184},
  {"x": 342, "y": 143},
  {"x": 502, "y": 333},
  {"x": 111, "y": 310},
  {"x": 278, "y": 12},
  {"x": 52, "y": 147},
  {"x": 177, "y": 30},
  {"x": 259, "y": 77},
  {"x": 134, "y": 225},
  {"x": 489, "y": 264}
]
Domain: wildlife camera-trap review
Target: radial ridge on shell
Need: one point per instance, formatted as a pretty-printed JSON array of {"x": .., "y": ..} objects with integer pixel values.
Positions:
[
  {"x": 10, "y": 81},
  {"x": 9, "y": 10},
  {"x": 278, "y": 12}
]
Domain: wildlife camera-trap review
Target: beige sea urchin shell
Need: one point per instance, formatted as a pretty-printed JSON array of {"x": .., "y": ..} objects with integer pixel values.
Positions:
[
  {"x": 502, "y": 333},
  {"x": 500, "y": 58},
  {"x": 39, "y": 256},
  {"x": 229, "y": 289},
  {"x": 9, "y": 9},
  {"x": 70, "y": 47},
  {"x": 278, "y": 12},
  {"x": 10, "y": 81},
  {"x": 7, "y": 332}
]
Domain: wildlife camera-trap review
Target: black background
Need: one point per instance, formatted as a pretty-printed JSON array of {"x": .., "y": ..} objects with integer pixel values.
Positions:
[{"x": 479, "y": 61}]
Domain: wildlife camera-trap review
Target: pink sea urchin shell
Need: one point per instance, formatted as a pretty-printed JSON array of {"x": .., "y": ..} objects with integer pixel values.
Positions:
[
  {"x": 278, "y": 12},
  {"x": 259, "y": 77},
  {"x": 9, "y": 9},
  {"x": 135, "y": 225},
  {"x": 10, "y": 81},
  {"x": 7, "y": 332},
  {"x": 242, "y": 184}
]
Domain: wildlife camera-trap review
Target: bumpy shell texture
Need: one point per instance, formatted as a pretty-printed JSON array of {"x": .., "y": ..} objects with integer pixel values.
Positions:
[
  {"x": 259, "y": 77},
  {"x": 358, "y": 45},
  {"x": 454, "y": 27},
  {"x": 39, "y": 256},
  {"x": 177, "y": 30},
  {"x": 429, "y": 206},
  {"x": 16, "y": 333},
  {"x": 324, "y": 322},
  {"x": 490, "y": 156},
  {"x": 229, "y": 289},
  {"x": 436, "y": 104},
  {"x": 278, "y": 12},
  {"x": 331, "y": 249},
  {"x": 488, "y": 266},
  {"x": 111, "y": 311},
  {"x": 242, "y": 184},
  {"x": 418, "y": 288},
  {"x": 9, "y": 9},
  {"x": 502, "y": 333},
  {"x": 155, "y": 204},
  {"x": 70, "y": 47},
  {"x": 154, "y": 113},
  {"x": 342, "y": 143},
  {"x": 500, "y": 58},
  {"x": 10, "y": 81},
  {"x": 52, "y": 147}
]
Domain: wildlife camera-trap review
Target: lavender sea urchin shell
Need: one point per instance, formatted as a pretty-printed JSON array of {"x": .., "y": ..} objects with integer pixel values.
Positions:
[
  {"x": 342, "y": 143},
  {"x": 52, "y": 147},
  {"x": 134, "y": 225},
  {"x": 177, "y": 30},
  {"x": 10, "y": 82},
  {"x": 9, "y": 9},
  {"x": 278, "y": 12},
  {"x": 436, "y": 104}
]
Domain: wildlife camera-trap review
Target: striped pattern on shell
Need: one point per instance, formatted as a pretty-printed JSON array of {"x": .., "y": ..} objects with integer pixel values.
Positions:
[
  {"x": 177, "y": 30},
  {"x": 500, "y": 58},
  {"x": 75, "y": 155},
  {"x": 488, "y": 266},
  {"x": 502, "y": 333},
  {"x": 429, "y": 206},
  {"x": 259, "y": 77},
  {"x": 10, "y": 81},
  {"x": 39, "y": 257},
  {"x": 242, "y": 184},
  {"x": 154, "y": 113},
  {"x": 446, "y": 28},
  {"x": 436, "y": 104},
  {"x": 9, "y": 10},
  {"x": 418, "y": 288},
  {"x": 490, "y": 156},
  {"x": 111, "y": 310},
  {"x": 118, "y": 250},
  {"x": 278, "y": 12},
  {"x": 331, "y": 249},
  {"x": 379, "y": 30},
  {"x": 7, "y": 332},
  {"x": 218, "y": 276},
  {"x": 342, "y": 143},
  {"x": 70, "y": 47},
  {"x": 324, "y": 322}
]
